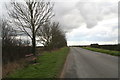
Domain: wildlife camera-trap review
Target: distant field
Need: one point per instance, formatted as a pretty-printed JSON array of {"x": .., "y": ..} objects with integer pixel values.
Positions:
[
  {"x": 50, "y": 65},
  {"x": 111, "y": 52}
]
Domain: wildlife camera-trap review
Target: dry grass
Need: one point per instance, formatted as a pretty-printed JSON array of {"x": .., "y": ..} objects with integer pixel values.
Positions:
[{"x": 12, "y": 66}]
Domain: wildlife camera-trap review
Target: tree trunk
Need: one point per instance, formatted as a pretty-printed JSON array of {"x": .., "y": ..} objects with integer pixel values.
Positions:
[
  {"x": 34, "y": 46},
  {"x": 34, "y": 43}
]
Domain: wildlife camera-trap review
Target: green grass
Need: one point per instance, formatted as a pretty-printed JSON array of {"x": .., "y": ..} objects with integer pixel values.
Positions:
[
  {"x": 114, "y": 53},
  {"x": 50, "y": 66}
]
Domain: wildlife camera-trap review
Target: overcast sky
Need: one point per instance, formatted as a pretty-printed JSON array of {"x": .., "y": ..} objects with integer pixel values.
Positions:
[{"x": 88, "y": 21}]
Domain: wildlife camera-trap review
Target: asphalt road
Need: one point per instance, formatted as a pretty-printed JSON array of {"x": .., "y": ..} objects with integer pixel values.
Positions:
[{"x": 82, "y": 63}]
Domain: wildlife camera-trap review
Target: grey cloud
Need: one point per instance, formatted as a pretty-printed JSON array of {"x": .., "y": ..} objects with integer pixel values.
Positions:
[
  {"x": 90, "y": 12},
  {"x": 93, "y": 12},
  {"x": 72, "y": 15},
  {"x": 67, "y": 15},
  {"x": 104, "y": 32}
]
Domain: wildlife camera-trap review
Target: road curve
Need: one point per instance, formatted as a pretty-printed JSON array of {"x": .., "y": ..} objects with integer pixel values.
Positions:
[{"x": 82, "y": 63}]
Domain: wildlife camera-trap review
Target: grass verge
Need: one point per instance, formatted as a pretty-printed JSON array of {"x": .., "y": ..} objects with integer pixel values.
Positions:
[
  {"x": 50, "y": 65},
  {"x": 114, "y": 53}
]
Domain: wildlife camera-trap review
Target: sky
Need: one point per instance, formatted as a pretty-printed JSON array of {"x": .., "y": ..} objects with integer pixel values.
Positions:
[{"x": 87, "y": 21}]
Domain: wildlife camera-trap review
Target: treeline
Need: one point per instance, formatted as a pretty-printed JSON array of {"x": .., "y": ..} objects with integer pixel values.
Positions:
[
  {"x": 31, "y": 19},
  {"x": 13, "y": 48},
  {"x": 115, "y": 47}
]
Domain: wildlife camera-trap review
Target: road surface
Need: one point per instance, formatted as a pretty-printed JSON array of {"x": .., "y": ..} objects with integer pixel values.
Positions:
[{"x": 82, "y": 63}]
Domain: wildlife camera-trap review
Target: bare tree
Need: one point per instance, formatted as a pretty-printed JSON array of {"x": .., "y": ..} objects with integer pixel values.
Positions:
[
  {"x": 51, "y": 36},
  {"x": 58, "y": 36},
  {"x": 30, "y": 15}
]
